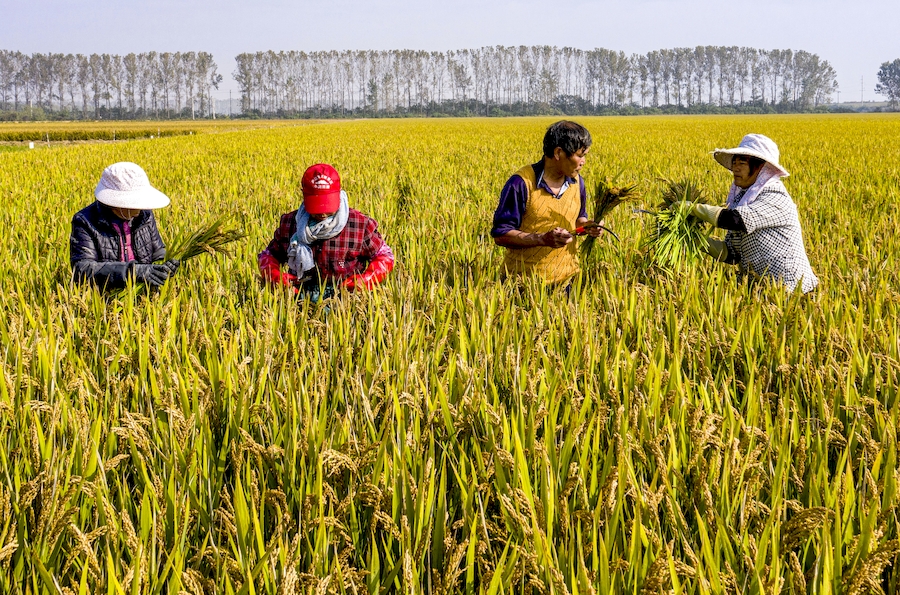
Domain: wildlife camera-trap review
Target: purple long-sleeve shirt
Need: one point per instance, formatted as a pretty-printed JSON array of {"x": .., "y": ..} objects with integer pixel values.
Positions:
[
  {"x": 126, "y": 253},
  {"x": 514, "y": 198}
]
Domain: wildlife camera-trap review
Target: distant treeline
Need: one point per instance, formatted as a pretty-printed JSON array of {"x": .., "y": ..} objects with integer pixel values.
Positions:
[
  {"x": 523, "y": 80},
  {"x": 135, "y": 86}
]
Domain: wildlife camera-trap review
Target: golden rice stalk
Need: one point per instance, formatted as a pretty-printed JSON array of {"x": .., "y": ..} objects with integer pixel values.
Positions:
[
  {"x": 798, "y": 578},
  {"x": 212, "y": 238},
  {"x": 865, "y": 579},
  {"x": 606, "y": 197},
  {"x": 803, "y": 524},
  {"x": 676, "y": 237},
  {"x": 7, "y": 551}
]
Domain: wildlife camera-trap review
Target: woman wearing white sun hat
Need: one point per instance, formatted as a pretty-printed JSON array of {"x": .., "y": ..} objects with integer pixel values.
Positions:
[
  {"x": 115, "y": 238},
  {"x": 764, "y": 235}
]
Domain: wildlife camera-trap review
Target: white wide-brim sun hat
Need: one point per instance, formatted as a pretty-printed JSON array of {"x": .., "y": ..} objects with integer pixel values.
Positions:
[
  {"x": 753, "y": 145},
  {"x": 125, "y": 185}
]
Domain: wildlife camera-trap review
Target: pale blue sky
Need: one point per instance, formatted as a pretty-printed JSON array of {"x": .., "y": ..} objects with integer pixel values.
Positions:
[{"x": 855, "y": 37}]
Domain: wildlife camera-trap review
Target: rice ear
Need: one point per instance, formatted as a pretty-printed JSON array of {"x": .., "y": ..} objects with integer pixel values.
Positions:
[
  {"x": 211, "y": 238},
  {"x": 606, "y": 197}
]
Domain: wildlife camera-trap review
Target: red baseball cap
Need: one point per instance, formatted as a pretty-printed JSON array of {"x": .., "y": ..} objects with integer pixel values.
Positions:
[{"x": 321, "y": 189}]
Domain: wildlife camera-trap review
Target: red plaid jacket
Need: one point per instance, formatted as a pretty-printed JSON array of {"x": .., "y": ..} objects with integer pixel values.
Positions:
[{"x": 346, "y": 254}]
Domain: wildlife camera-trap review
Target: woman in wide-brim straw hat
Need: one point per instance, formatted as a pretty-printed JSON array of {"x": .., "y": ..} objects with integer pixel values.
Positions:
[
  {"x": 764, "y": 235},
  {"x": 115, "y": 238}
]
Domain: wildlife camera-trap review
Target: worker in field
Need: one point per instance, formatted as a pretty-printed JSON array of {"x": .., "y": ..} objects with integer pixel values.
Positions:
[
  {"x": 541, "y": 206},
  {"x": 764, "y": 235},
  {"x": 115, "y": 238},
  {"x": 325, "y": 244}
]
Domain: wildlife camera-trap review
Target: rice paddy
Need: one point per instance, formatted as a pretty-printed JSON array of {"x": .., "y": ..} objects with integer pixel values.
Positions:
[{"x": 450, "y": 432}]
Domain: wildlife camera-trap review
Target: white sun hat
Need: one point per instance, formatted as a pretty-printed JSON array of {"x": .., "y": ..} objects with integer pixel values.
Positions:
[
  {"x": 126, "y": 185},
  {"x": 753, "y": 145}
]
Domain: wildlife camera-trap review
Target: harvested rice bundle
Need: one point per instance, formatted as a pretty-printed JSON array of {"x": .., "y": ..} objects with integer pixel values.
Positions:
[
  {"x": 676, "y": 238},
  {"x": 211, "y": 238},
  {"x": 606, "y": 197}
]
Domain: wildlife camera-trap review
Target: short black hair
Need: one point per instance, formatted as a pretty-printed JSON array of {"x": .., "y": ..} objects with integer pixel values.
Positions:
[{"x": 569, "y": 136}]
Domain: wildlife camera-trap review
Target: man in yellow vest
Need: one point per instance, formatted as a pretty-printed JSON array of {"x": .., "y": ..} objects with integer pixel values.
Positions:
[{"x": 543, "y": 204}]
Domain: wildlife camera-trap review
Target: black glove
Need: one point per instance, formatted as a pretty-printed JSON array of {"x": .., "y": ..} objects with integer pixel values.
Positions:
[
  {"x": 154, "y": 275},
  {"x": 172, "y": 265}
]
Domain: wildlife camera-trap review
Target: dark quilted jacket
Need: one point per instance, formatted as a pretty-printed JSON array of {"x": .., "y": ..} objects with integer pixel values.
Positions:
[{"x": 95, "y": 245}]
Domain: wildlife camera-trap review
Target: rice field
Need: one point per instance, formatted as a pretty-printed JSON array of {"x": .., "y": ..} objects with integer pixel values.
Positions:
[
  {"x": 44, "y": 134},
  {"x": 450, "y": 432}
]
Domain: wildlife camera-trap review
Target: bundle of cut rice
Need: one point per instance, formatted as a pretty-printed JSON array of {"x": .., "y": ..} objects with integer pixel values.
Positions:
[
  {"x": 606, "y": 197},
  {"x": 676, "y": 238},
  {"x": 212, "y": 238}
]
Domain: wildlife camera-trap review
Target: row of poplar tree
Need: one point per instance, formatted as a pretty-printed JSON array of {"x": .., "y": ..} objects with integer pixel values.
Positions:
[
  {"x": 531, "y": 79},
  {"x": 494, "y": 80},
  {"x": 145, "y": 85}
]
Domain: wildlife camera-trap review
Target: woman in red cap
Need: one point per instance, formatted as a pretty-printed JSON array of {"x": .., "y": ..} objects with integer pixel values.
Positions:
[{"x": 325, "y": 243}]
